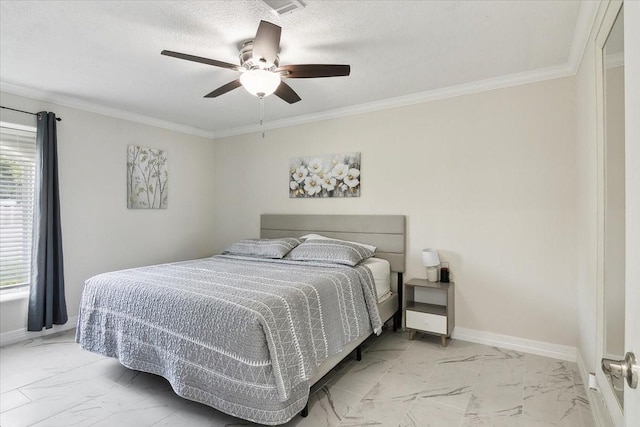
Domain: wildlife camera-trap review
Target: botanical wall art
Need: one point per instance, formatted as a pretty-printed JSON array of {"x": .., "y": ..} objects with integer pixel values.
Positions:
[
  {"x": 334, "y": 175},
  {"x": 146, "y": 178}
]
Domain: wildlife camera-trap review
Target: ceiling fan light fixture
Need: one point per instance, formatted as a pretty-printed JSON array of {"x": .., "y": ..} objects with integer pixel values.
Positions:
[
  {"x": 260, "y": 66},
  {"x": 260, "y": 83}
]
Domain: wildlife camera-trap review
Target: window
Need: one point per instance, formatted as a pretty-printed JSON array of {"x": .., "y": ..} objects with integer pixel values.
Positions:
[{"x": 17, "y": 181}]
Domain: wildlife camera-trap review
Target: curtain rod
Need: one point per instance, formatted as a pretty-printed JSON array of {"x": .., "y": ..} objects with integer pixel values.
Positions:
[{"x": 26, "y": 112}]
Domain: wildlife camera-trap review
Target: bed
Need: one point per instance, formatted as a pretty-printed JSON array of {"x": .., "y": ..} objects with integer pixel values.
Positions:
[{"x": 247, "y": 336}]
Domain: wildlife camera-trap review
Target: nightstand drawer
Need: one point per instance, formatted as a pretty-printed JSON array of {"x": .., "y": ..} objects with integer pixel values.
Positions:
[{"x": 426, "y": 322}]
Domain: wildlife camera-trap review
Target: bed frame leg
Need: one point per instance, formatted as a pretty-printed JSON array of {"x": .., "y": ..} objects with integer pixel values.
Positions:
[
  {"x": 358, "y": 353},
  {"x": 397, "y": 318},
  {"x": 305, "y": 411}
]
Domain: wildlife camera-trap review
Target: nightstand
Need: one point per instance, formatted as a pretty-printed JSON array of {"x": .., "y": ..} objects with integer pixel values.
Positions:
[{"x": 429, "y": 307}]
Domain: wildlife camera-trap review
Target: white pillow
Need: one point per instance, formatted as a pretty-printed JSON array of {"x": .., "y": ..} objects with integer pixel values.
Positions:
[{"x": 318, "y": 236}]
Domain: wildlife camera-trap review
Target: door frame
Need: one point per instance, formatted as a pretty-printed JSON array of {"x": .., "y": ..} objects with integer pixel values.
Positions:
[{"x": 632, "y": 183}]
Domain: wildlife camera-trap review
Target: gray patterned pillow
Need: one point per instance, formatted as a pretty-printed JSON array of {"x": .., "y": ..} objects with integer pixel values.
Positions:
[
  {"x": 334, "y": 251},
  {"x": 263, "y": 248}
]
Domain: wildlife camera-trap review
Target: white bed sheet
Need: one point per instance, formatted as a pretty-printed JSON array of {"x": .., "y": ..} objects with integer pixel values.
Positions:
[{"x": 381, "y": 270}]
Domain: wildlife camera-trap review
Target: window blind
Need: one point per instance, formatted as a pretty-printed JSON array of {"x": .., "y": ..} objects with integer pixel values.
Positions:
[{"x": 17, "y": 180}]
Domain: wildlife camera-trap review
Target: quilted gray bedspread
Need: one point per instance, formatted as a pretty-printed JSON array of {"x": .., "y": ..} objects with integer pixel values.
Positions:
[{"x": 241, "y": 335}]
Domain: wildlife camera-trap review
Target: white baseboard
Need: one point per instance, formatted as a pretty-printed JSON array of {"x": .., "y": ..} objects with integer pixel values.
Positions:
[
  {"x": 582, "y": 370},
  {"x": 599, "y": 410},
  {"x": 541, "y": 348},
  {"x": 18, "y": 335}
]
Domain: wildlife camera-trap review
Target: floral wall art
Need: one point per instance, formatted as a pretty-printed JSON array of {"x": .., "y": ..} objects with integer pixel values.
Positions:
[
  {"x": 334, "y": 175},
  {"x": 147, "y": 178}
]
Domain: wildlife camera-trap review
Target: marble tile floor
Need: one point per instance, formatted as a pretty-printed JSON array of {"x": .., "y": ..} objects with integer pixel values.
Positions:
[{"x": 51, "y": 382}]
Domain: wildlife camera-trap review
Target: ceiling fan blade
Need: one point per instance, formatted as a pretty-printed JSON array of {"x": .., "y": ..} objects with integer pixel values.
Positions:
[
  {"x": 310, "y": 71},
  {"x": 224, "y": 89},
  {"x": 200, "y": 59},
  {"x": 285, "y": 93},
  {"x": 267, "y": 43}
]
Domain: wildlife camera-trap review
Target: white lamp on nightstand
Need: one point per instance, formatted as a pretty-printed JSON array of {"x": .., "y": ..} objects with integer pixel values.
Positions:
[{"x": 431, "y": 261}]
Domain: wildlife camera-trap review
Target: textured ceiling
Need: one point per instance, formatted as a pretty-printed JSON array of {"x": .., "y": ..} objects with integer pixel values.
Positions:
[{"x": 107, "y": 53}]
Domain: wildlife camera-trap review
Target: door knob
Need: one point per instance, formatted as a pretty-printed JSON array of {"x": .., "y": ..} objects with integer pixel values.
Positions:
[{"x": 627, "y": 368}]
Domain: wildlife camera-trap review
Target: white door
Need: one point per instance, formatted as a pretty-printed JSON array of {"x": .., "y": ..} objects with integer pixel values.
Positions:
[
  {"x": 632, "y": 168},
  {"x": 619, "y": 201}
]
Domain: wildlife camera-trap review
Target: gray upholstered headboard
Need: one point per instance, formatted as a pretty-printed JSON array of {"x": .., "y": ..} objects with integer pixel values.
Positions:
[{"x": 386, "y": 232}]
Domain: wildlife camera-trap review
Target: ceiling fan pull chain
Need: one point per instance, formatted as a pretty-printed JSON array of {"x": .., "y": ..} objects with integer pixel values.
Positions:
[{"x": 262, "y": 115}]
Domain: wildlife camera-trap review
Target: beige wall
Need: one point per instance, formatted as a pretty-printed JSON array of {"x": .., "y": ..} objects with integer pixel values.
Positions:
[
  {"x": 488, "y": 179},
  {"x": 99, "y": 232}
]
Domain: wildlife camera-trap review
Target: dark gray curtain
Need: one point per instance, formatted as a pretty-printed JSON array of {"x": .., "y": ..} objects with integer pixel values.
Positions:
[{"x": 47, "y": 305}]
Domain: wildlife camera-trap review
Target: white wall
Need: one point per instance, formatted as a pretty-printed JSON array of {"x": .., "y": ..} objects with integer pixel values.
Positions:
[
  {"x": 488, "y": 179},
  {"x": 99, "y": 232}
]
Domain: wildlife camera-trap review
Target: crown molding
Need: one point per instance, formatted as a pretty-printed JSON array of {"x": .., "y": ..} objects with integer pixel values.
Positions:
[
  {"x": 416, "y": 98},
  {"x": 71, "y": 102},
  {"x": 401, "y": 101},
  {"x": 582, "y": 32}
]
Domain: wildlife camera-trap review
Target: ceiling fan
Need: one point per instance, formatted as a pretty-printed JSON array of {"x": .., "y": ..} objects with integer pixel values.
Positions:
[{"x": 260, "y": 67}]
